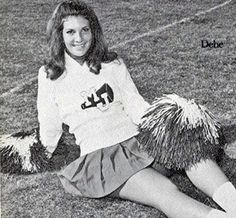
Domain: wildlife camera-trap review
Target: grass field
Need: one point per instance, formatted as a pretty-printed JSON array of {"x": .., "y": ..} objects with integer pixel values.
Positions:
[{"x": 168, "y": 61}]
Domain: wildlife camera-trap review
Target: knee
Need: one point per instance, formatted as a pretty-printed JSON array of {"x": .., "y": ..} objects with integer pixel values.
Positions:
[{"x": 169, "y": 185}]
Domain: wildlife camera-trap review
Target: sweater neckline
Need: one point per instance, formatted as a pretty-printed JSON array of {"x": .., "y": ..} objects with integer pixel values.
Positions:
[{"x": 72, "y": 66}]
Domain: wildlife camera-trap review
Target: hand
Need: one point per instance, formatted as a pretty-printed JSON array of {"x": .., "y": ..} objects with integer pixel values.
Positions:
[{"x": 48, "y": 154}]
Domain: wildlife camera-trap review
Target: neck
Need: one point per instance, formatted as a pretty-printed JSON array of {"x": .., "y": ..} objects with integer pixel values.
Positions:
[{"x": 80, "y": 60}]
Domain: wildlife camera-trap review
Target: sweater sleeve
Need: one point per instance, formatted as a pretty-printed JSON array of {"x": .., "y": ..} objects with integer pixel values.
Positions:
[
  {"x": 134, "y": 104},
  {"x": 50, "y": 123}
]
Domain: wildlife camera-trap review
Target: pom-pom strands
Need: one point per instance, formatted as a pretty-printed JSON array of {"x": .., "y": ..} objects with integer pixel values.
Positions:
[
  {"x": 179, "y": 133},
  {"x": 23, "y": 153}
]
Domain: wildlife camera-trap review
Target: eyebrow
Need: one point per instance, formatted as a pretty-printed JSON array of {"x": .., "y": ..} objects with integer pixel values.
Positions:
[{"x": 75, "y": 28}]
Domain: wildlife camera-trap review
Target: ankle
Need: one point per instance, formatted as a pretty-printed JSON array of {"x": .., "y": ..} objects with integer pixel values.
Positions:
[
  {"x": 214, "y": 213},
  {"x": 225, "y": 196}
]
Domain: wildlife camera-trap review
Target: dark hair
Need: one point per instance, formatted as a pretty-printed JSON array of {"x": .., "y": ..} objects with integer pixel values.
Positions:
[{"x": 98, "y": 51}]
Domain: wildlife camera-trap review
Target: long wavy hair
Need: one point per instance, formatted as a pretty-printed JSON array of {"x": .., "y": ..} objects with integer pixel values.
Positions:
[{"x": 98, "y": 51}]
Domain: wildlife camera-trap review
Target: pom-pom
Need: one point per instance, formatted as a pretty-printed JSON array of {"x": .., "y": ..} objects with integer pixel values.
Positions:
[
  {"x": 23, "y": 152},
  {"x": 179, "y": 133}
]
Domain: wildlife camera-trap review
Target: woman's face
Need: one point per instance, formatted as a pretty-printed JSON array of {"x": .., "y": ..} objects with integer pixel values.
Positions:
[{"x": 77, "y": 35}]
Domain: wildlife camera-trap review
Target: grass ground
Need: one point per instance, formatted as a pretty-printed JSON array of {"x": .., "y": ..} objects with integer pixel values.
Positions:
[{"x": 169, "y": 61}]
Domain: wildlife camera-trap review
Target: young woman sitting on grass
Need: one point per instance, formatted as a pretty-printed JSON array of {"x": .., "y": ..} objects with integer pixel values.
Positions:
[{"x": 89, "y": 88}]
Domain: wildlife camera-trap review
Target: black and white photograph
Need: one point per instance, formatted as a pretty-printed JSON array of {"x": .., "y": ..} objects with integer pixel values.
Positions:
[{"x": 118, "y": 109}]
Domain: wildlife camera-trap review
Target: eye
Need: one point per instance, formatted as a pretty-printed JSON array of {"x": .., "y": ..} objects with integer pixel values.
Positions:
[
  {"x": 86, "y": 29},
  {"x": 70, "y": 32}
]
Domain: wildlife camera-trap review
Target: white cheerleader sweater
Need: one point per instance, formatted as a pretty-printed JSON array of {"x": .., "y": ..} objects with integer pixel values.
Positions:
[{"x": 101, "y": 110}]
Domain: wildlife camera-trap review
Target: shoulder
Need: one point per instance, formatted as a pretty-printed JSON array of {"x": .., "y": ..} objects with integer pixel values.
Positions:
[
  {"x": 42, "y": 77},
  {"x": 116, "y": 66},
  {"x": 42, "y": 74}
]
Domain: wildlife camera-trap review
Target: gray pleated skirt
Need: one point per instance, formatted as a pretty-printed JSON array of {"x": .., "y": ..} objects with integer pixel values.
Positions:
[{"x": 101, "y": 172}]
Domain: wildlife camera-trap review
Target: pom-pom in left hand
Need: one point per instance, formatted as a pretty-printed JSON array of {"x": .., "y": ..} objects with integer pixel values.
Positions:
[{"x": 23, "y": 152}]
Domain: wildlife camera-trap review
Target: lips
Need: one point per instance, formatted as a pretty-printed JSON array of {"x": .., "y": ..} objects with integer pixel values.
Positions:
[
  {"x": 81, "y": 45},
  {"x": 78, "y": 48}
]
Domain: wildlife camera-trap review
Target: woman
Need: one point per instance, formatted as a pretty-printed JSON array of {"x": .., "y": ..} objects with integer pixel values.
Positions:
[{"x": 89, "y": 88}]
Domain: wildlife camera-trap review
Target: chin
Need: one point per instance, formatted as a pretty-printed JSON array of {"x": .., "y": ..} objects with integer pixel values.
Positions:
[{"x": 79, "y": 53}]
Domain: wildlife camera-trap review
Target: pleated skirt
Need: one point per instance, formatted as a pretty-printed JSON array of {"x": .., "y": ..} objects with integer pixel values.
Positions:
[{"x": 104, "y": 171}]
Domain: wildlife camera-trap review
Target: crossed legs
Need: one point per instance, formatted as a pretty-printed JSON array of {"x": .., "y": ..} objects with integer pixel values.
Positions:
[{"x": 150, "y": 187}]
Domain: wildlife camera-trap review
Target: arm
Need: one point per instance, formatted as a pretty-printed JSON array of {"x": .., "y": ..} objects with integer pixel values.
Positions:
[
  {"x": 134, "y": 104},
  {"x": 50, "y": 123}
]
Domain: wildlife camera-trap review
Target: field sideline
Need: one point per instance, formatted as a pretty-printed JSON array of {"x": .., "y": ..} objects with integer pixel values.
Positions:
[{"x": 166, "y": 61}]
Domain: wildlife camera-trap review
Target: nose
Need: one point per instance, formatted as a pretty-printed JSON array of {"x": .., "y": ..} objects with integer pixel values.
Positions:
[{"x": 78, "y": 37}]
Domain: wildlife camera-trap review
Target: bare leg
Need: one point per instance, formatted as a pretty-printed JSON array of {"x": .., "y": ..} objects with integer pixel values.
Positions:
[
  {"x": 207, "y": 176},
  {"x": 151, "y": 188}
]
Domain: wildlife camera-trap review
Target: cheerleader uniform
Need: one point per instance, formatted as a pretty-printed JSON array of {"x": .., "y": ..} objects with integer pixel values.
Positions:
[{"x": 103, "y": 112}]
